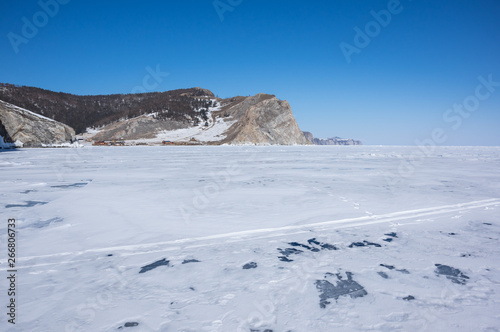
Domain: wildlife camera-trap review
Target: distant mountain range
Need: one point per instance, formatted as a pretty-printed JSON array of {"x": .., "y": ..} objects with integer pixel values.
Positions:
[
  {"x": 184, "y": 116},
  {"x": 330, "y": 141}
]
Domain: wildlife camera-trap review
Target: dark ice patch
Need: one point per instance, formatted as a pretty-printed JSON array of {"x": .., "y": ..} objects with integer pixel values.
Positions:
[
  {"x": 409, "y": 298},
  {"x": 285, "y": 259},
  {"x": 296, "y": 244},
  {"x": 287, "y": 252},
  {"x": 313, "y": 244},
  {"x": 186, "y": 261},
  {"x": 364, "y": 244},
  {"x": 28, "y": 191},
  {"x": 455, "y": 275},
  {"x": 389, "y": 239},
  {"x": 383, "y": 275},
  {"x": 64, "y": 186},
  {"x": 27, "y": 205},
  {"x": 323, "y": 245},
  {"x": 391, "y": 234},
  {"x": 390, "y": 267},
  {"x": 372, "y": 244},
  {"x": 487, "y": 223},
  {"x": 313, "y": 241},
  {"x": 128, "y": 324},
  {"x": 251, "y": 265},
  {"x": 154, "y": 265},
  {"x": 328, "y": 246},
  {"x": 340, "y": 287}
]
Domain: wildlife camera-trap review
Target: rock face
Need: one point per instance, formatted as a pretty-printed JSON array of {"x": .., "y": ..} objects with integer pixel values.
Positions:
[
  {"x": 264, "y": 119},
  {"x": 330, "y": 141},
  {"x": 28, "y": 129}
]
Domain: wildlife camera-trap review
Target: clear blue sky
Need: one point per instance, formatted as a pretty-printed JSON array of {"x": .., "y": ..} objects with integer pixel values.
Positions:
[{"x": 393, "y": 91}]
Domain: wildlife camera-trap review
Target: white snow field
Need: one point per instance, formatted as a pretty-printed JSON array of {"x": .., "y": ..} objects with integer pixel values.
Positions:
[{"x": 226, "y": 238}]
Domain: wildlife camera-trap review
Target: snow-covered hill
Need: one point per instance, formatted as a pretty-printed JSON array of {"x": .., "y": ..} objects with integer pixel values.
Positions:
[{"x": 149, "y": 129}]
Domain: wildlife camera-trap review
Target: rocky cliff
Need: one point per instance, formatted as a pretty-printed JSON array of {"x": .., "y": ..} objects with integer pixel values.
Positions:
[
  {"x": 21, "y": 127},
  {"x": 264, "y": 119}
]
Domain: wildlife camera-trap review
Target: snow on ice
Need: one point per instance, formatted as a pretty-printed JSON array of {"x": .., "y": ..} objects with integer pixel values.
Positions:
[{"x": 312, "y": 238}]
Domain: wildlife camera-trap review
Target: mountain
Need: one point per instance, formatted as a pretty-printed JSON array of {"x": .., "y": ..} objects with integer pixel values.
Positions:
[
  {"x": 81, "y": 112},
  {"x": 330, "y": 141},
  {"x": 193, "y": 116},
  {"x": 20, "y": 127},
  {"x": 259, "y": 119}
]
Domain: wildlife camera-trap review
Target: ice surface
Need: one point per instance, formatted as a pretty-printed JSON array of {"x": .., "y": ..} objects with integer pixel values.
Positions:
[{"x": 90, "y": 219}]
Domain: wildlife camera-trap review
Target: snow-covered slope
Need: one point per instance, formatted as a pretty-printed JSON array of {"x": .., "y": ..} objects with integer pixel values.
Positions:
[
  {"x": 253, "y": 239},
  {"x": 148, "y": 129}
]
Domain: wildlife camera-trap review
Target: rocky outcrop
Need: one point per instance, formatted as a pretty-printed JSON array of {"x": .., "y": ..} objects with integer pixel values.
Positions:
[
  {"x": 263, "y": 119},
  {"x": 330, "y": 141},
  {"x": 28, "y": 129}
]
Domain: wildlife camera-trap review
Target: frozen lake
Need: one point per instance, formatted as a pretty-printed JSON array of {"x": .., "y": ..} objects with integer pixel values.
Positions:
[{"x": 318, "y": 238}]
